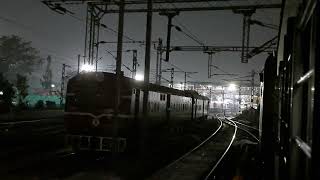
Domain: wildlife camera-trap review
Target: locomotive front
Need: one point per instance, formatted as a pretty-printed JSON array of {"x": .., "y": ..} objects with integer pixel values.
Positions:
[{"x": 89, "y": 113}]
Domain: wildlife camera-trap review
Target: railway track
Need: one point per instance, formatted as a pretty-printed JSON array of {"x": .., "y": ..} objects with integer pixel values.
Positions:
[
  {"x": 200, "y": 162},
  {"x": 251, "y": 131},
  {"x": 36, "y": 123},
  {"x": 24, "y": 142}
]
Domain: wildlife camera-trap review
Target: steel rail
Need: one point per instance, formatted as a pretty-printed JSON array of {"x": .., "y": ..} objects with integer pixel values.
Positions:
[
  {"x": 195, "y": 148},
  {"x": 225, "y": 152},
  {"x": 250, "y": 134},
  {"x": 246, "y": 126},
  {"x": 29, "y": 121},
  {"x": 242, "y": 124}
]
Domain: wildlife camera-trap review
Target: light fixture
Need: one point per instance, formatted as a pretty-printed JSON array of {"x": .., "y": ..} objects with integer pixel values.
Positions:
[
  {"x": 232, "y": 87},
  {"x": 87, "y": 68},
  {"x": 139, "y": 77}
]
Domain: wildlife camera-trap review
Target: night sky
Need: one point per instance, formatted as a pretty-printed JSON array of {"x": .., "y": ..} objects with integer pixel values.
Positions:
[{"x": 62, "y": 37}]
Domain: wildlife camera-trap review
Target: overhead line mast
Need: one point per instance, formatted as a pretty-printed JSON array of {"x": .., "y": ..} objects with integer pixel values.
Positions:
[
  {"x": 96, "y": 9},
  {"x": 210, "y": 50}
]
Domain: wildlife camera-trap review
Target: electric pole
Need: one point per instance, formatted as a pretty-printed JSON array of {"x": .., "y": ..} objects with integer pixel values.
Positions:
[
  {"x": 134, "y": 62},
  {"x": 185, "y": 81},
  {"x": 63, "y": 78},
  {"x": 185, "y": 78},
  {"x": 170, "y": 15},
  {"x": 247, "y": 13},
  {"x": 171, "y": 77},
  {"x": 210, "y": 63},
  {"x": 159, "y": 62},
  {"x": 252, "y": 86},
  {"x": 223, "y": 110},
  {"x": 142, "y": 124},
  {"x": 95, "y": 12},
  {"x": 172, "y": 71},
  {"x": 118, "y": 76},
  {"x": 239, "y": 98}
]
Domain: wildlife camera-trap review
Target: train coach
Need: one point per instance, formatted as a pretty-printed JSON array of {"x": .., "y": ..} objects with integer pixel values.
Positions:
[
  {"x": 290, "y": 115},
  {"x": 89, "y": 111}
]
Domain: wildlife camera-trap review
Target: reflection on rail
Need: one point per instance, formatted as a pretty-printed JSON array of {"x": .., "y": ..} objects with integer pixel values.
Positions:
[{"x": 225, "y": 152}]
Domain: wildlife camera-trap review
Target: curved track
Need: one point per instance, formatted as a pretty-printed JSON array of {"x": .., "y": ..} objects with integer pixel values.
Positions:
[
  {"x": 201, "y": 161},
  {"x": 225, "y": 152},
  {"x": 244, "y": 127}
]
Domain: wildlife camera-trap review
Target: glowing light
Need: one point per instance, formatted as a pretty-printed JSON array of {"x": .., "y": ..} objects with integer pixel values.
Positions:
[
  {"x": 139, "y": 77},
  {"x": 52, "y": 85},
  {"x": 87, "y": 68},
  {"x": 232, "y": 87},
  {"x": 179, "y": 85},
  {"x": 209, "y": 86},
  {"x": 1, "y": 93}
]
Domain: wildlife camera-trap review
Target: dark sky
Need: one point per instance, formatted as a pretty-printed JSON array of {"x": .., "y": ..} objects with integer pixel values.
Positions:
[{"x": 62, "y": 36}]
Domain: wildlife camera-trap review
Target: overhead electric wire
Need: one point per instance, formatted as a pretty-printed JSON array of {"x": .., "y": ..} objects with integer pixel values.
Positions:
[
  {"x": 189, "y": 34},
  {"x": 221, "y": 70},
  {"x": 102, "y": 25},
  {"x": 115, "y": 58}
]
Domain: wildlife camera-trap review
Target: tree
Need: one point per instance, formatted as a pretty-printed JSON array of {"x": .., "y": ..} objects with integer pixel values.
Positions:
[
  {"x": 22, "y": 88},
  {"x": 7, "y": 92},
  {"x": 17, "y": 55}
]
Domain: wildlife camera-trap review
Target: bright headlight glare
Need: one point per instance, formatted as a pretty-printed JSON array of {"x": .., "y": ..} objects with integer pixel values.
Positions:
[{"x": 87, "y": 68}]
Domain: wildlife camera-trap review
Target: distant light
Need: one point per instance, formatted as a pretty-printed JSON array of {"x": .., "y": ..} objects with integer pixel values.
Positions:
[
  {"x": 178, "y": 85},
  {"x": 52, "y": 85},
  {"x": 232, "y": 87},
  {"x": 87, "y": 68},
  {"x": 1, "y": 93},
  {"x": 139, "y": 77},
  {"x": 209, "y": 86}
]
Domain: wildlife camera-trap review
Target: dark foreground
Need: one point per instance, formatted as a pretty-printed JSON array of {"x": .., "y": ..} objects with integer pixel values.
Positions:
[{"x": 36, "y": 151}]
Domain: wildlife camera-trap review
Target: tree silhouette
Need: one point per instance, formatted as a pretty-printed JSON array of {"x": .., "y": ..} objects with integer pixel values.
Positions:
[{"x": 17, "y": 56}]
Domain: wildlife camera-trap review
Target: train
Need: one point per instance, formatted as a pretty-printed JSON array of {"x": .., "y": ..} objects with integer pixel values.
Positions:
[
  {"x": 92, "y": 124},
  {"x": 290, "y": 115}
]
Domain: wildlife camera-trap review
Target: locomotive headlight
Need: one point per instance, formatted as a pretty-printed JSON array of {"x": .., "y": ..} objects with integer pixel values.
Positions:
[
  {"x": 87, "y": 68},
  {"x": 139, "y": 77}
]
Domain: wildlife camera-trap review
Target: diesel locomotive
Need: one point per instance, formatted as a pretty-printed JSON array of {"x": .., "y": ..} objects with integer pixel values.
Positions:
[{"x": 90, "y": 117}]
